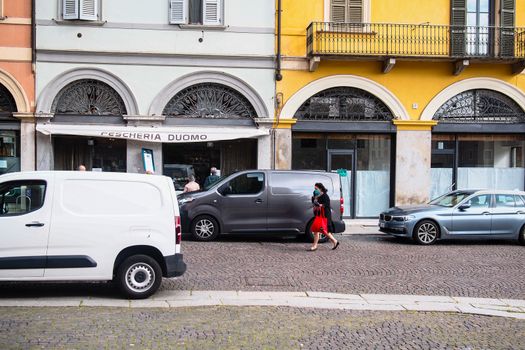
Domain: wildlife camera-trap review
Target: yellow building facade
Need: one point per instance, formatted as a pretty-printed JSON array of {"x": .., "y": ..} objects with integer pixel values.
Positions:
[{"x": 406, "y": 99}]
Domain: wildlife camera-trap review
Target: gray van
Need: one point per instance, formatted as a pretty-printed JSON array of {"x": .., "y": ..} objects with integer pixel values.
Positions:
[{"x": 259, "y": 201}]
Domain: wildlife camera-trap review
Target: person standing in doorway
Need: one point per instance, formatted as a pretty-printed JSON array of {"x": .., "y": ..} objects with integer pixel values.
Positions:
[
  {"x": 212, "y": 178},
  {"x": 321, "y": 202},
  {"x": 192, "y": 185}
]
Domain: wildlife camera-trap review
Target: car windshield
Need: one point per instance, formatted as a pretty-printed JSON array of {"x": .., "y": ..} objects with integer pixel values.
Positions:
[
  {"x": 211, "y": 184},
  {"x": 450, "y": 199}
]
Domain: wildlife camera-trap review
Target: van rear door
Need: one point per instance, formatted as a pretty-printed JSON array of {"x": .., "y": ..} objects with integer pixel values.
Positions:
[{"x": 25, "y": 215}]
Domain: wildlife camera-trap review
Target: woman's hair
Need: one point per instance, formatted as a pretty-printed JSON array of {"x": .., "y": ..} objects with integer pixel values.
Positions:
[{"x": 321, "y": 187}]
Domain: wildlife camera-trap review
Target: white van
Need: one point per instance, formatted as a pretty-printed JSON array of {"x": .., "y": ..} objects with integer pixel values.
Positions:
[{"x": 89, "y": 226}]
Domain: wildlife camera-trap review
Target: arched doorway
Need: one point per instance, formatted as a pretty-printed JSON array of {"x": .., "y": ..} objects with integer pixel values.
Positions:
[
  {"x": 208, "y": 103},
  {"x": 348, "y": 130},
  {"x": 9, "y": 133},
  {"x": 478, "y": 143},
  {"x": 88, "y": 101}
]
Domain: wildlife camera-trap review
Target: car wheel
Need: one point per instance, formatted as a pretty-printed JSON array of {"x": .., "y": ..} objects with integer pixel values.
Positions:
[
  {"x": 310, "y": 235},
  {"x": 204, "y": 228},
  {"x": 426, "y": 232},
  {"x": 139, "y": 276},
  {"x": 521, "y": 237}
]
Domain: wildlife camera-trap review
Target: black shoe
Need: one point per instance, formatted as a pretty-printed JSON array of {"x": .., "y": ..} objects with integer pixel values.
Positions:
[{"x": 335, "y": 246}]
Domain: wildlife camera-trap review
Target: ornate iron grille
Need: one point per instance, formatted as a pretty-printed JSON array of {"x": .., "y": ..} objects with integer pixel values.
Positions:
[
  {"x": 480, "y": 106},
  {"x": 89, "y": 97},
  {"x": 7, "y": 102},
  {"x": 344, "y": 103},
  {"x": 209, "y": 100}
]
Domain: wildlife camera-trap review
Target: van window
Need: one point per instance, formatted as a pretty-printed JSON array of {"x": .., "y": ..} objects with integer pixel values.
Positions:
[
  {"x": 297, "y": 183},
  {"x": 251, "y": 183},
  {"x": 21, "y": 197},
  {"x": 101, "y": 197}
]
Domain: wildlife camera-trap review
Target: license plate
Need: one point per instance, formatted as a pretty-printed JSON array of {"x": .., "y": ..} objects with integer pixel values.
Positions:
[{"x": 382, "y": 225}]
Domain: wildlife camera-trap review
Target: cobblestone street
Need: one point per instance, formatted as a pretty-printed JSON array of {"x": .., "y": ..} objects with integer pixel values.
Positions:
[
  {"x": 362, "y": 264},
  {"x": 252, "y": 328}
]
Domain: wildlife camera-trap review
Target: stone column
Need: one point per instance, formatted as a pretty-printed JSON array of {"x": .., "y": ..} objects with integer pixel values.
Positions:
[
  {"x": 134, "y": 162},
  {"x": 264, "y": 152},
  {"x": 283, "y": 144},
  {"x": 44, "y": 146},
  {"x": 413, "y": 152},
  {"x": 27, "y": 140}
]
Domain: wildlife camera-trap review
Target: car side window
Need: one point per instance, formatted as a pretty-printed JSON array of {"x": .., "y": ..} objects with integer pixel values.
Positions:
[
  {"x": 505, "y": 201},
  {"x": 250, "y": 183},
  {"x": 482, "y": 201},
  {"x": 520, "y": 203},
  {"x": 21, "y": 197}
]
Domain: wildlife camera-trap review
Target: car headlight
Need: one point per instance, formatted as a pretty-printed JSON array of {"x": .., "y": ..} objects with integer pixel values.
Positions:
[
  {"x": 403, "y": 218},
  {"x": 185, "y": 200}
]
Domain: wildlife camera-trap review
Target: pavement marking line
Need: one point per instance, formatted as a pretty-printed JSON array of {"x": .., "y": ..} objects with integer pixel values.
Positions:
[{"x": 511, "y": 308}]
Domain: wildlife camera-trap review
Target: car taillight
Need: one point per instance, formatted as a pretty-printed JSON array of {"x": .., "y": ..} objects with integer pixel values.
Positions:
[
  {"x": 178, "y": 230},
  {"x": 342, "y": 207}
]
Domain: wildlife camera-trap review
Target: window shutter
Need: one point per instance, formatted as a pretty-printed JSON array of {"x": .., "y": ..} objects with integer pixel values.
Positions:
[
  {"x": 178, "y": 11},
  {"x": 89, "y": 10},
  {"x": 338, "y": 11},
  {"x": 70, "y": 9},
  {"x": 355, "y": 11},
  {"x": 458, "y": 20},
  {"x": 508, "y": 8},
  {"x": 212, "y": 12}
]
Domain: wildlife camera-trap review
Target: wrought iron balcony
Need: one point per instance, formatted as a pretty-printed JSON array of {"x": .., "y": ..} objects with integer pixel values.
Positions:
[{"x": 415, "y": 41}]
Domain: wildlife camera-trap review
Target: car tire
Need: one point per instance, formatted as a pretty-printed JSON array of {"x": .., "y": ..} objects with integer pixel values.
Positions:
[
  {"x": 521, "y": 237},
  {"x": 138, "y": 277},
  {"x": 426, "y": 232},
  {"x": 310, "y": 236},
  {"x": 204, "y": 228}
]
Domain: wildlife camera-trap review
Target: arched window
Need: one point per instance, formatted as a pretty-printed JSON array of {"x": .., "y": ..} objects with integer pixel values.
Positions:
[
  {"x": 7, "y": 102},
  {"x": 209, "y": 100},
  {"x": 480, "y": 106},
  {"x": 88, "y": 97},
  {"x": 344, "y": 104}
]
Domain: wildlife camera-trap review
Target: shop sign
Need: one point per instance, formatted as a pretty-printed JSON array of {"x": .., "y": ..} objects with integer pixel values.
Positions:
[{"x": 148, "y": 134}]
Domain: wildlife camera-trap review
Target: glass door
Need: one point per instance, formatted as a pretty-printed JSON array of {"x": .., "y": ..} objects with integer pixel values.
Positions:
[
  {"x": 478, "y": 20},
  {"x": 342, "y": 161}
]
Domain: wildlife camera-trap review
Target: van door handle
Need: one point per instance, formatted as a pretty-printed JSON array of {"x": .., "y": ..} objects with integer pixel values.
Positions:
[
  {"x": 35, "y": 224},
  {"x": 258, "y": 201}
]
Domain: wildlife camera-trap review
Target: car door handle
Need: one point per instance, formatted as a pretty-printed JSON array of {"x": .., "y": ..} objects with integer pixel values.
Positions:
[
  {"x": 520, "y": 212},
  {"x": 486, "y": 213},
  {"x": 258, "y": 201},
  {"x": 35, "y": 224}
]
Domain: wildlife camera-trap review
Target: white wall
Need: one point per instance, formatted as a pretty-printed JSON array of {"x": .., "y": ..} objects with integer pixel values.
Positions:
[
  {"x": 145, "y": 82},
  {"x": 143, "y": 27}
]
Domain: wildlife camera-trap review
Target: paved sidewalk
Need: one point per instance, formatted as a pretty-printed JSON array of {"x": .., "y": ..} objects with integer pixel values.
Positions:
[
  {"x": 361, "y": 227},
  {"x": 510, "y": 308}
]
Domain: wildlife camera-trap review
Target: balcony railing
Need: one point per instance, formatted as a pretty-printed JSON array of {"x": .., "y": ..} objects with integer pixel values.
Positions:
[{"x": 415, "y": 41}]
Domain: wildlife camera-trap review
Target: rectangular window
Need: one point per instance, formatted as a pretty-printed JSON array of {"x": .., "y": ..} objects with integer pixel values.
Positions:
[
  {"x": 9, "y": 151},
  {"x": 505, "y": 201},
  {"x": 197, "y": 12},
  {"x": 1, "y": 8},
  {"x": 342, "y": 11},
  {"x": 86, "y": 10},
  {"x": 245, "y": 184},
  {"x": 21, "y": 197}
]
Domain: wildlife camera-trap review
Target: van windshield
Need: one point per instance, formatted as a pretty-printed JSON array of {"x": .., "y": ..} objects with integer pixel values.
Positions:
[{"x": 210, "y": 185}]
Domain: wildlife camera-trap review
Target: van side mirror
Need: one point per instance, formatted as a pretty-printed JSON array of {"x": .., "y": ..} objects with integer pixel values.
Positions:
[{"x": 464, "y": 206}]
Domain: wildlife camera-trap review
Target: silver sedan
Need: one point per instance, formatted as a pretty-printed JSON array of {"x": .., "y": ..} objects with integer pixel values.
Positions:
[{"x": 470, "y": 214}]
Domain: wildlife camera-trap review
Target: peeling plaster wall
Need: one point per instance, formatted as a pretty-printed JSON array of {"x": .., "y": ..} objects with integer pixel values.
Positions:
[{"x": 413, "y": 177}]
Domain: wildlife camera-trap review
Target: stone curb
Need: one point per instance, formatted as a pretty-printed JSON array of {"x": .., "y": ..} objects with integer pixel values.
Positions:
[{"x": 511, "y": 308}]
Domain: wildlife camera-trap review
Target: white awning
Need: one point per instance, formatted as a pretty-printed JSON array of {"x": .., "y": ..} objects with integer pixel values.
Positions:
[{"x": 154, "y": 134}]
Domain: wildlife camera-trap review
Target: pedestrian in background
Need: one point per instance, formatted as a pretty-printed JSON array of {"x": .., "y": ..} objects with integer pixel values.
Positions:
[
  {"x": 81, "y": 167},
  {"x": 321, "y": 202},
  {"x": 192, "y": 185},
  {"x": 210, "y": 180}
]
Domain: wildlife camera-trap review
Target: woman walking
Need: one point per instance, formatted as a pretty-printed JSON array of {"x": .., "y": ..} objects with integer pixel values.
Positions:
[{"x": 321, "y": 203}]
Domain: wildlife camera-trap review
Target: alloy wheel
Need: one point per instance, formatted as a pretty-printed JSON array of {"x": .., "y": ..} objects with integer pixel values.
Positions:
[
  {"x": 427, "y": 233},
  {"x": 204, "y": 228}
]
